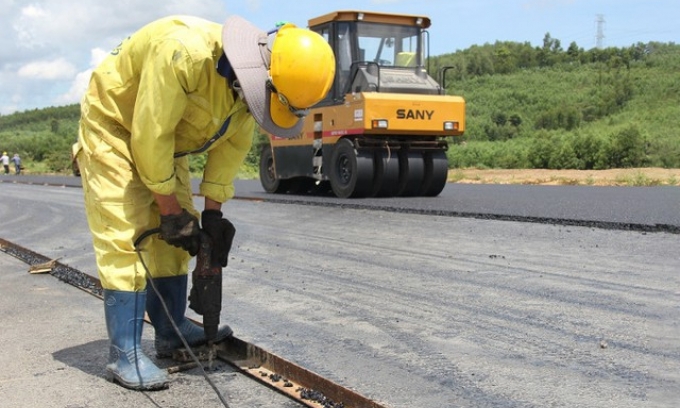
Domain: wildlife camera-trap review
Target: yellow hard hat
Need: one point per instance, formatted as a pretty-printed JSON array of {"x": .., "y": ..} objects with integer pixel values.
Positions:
[
  {"x": 279, "y": 74},
  {"x": 301, "y": 73},
  {"x": 4, "y": 152}
]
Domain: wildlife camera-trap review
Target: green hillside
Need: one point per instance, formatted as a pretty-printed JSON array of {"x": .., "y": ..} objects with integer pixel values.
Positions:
[
  {"x": 542, "y": 107},
  {"x": 42, "y": 137},
  {"x": 527, "y": 107}
]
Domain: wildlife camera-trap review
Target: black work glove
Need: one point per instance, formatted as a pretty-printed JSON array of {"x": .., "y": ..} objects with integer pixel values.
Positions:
[
  {"x": 181, "y": 230},
  {"x": 221, "y": 233}
]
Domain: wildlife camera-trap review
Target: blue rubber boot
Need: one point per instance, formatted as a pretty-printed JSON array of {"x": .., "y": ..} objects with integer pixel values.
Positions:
[
  {"x": 128, "y": 366},
  {"x": 174, "y": 293}
]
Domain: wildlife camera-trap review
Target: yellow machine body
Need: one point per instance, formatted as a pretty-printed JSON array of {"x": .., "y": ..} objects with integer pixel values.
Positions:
[{"x": 382, "y": 129}]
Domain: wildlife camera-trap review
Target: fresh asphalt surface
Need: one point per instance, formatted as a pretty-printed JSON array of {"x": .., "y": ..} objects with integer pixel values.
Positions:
[
  {"x": 486, "y": 296},
  {"x": 635, "y": 208}
]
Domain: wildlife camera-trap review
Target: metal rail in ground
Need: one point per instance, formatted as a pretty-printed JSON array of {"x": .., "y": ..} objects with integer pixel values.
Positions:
[{"x": 291, "y": 380}]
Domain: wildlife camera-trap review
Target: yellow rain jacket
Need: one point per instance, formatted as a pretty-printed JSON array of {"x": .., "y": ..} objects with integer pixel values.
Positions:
[{"x": 157, "y": 94}]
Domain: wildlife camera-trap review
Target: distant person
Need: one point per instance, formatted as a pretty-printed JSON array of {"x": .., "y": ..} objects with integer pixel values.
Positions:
[
  {"x": 5, "y": 162},
  {"x": 17, "y": 163}
]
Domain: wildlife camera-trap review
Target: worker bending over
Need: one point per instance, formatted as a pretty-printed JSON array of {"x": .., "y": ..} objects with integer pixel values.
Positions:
[{"x": 180, "y": 85}]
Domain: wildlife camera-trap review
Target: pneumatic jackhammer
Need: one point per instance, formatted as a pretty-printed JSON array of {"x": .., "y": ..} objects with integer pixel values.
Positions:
[{"x": 205, "y": 296}]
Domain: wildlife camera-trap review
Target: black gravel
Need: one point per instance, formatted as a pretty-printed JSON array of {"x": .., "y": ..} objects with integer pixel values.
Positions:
[
  {"x": 60, "y": 271},
  {"x": 316, "y": 396}
]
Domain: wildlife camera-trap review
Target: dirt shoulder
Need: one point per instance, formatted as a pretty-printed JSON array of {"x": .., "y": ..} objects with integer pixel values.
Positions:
[{"x": 615, "y": 177}]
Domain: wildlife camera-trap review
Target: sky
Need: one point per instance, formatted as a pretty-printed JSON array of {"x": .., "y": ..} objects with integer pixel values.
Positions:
[{"x": 48, "y": 48}]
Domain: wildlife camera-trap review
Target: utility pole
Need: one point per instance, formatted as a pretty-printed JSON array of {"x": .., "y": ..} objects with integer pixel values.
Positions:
[{"x": 599, "y": 38}]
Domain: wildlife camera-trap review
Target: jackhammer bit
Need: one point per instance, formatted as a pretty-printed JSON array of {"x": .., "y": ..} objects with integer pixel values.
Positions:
[{"x": 205, "y": 296}]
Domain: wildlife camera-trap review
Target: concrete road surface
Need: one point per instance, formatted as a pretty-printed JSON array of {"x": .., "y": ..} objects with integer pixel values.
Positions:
[{"x": 411, "y": 310}]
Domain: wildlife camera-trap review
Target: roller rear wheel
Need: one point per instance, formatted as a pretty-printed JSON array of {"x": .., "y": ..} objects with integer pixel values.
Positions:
[
  {"x": 411, "y": 173},
  {"x": 268, "y": 173},
  {"x": 436, "y": 173},
  {"x": 351, "y": 171},
  {"x": 386, "y": 174}
]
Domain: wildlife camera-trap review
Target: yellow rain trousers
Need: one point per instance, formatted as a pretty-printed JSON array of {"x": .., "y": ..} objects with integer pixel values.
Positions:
[{"x": 158, "y": 93}]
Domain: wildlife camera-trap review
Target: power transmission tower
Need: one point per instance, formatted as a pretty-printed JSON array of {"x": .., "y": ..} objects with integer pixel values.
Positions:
[{"x": 599, "y": 38}]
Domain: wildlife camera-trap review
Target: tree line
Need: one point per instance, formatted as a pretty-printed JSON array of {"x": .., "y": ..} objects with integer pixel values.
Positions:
[
  {"x": 527, "y": 107},
  {"x": 546, "y": 107},
  {"x": 506, "y": 57}
]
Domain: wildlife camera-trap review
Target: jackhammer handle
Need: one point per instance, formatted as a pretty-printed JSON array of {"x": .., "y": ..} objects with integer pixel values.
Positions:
[
  {"x": 204, "y": 266},
  {"x": 205, "y": 296}
]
